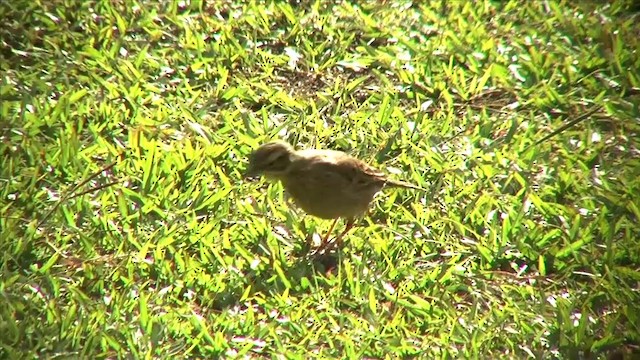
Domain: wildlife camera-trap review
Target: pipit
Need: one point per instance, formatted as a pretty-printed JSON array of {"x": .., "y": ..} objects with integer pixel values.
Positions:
[{"x": 328, "y": 184}]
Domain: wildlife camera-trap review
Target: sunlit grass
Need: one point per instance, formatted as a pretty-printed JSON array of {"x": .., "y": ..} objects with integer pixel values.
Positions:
[{"x": 127, "y": 229}]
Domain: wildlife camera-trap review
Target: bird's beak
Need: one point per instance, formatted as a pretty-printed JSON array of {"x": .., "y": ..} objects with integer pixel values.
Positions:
[{"x": 250, "y": 173}]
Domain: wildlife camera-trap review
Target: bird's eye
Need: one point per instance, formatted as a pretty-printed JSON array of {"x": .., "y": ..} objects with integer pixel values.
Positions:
[
  {"x": 273, "y": 161},
  {"x": 277, "y": 162}
]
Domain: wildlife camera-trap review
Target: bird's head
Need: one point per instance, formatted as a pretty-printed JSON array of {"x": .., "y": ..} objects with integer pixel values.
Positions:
[{"x": 271, "y": 160}]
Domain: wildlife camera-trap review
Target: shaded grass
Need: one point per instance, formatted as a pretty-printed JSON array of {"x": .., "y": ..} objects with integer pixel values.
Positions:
[{"x": 126, "y": 228}]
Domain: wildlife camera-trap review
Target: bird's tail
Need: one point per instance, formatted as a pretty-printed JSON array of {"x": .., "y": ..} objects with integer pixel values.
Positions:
[{"x": 402, "y": 184}]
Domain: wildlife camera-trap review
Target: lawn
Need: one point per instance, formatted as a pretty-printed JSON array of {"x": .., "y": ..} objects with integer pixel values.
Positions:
[{"x": 127, "y": 229}]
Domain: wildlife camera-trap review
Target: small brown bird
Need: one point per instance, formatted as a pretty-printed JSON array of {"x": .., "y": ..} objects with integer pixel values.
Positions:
[{"x": 328, "y": 184}]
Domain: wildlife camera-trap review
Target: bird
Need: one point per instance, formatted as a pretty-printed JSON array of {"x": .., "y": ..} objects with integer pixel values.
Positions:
[{"x": 327, "y": 184}]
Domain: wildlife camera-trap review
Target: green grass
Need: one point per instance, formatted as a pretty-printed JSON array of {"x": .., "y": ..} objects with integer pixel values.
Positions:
[{"x": 126, "y": 229}]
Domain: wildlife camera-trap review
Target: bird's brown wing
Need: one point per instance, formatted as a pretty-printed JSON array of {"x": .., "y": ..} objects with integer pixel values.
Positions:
[
  {"x": 359, "y": 175},
  {"x": 367, "y": 175},
  {"x": 351, "y": 171}
]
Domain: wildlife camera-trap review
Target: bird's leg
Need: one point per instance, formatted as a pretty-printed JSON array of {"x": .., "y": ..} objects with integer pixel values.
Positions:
[
  {"x": 325, "y": 239},
  {"x": 348, "y": 226},
  {"x": 338, "y": 240}
]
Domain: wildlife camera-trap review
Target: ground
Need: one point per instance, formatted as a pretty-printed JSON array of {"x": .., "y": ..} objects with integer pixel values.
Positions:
[{"x": 127, "y": 229}]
